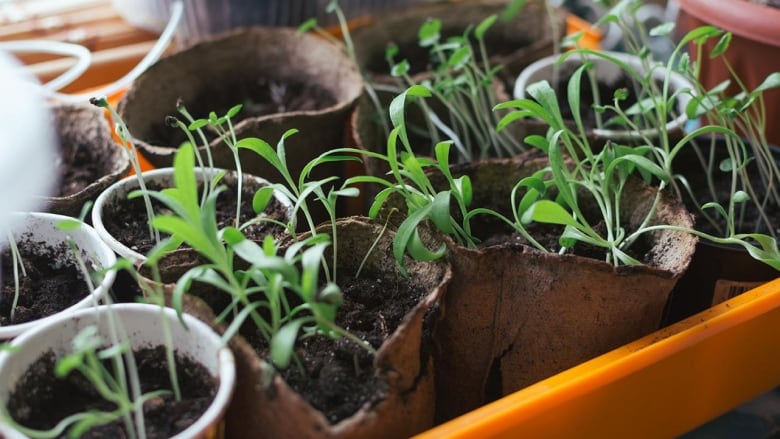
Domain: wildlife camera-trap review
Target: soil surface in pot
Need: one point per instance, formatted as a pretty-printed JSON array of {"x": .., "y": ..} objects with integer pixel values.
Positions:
[
  {"x": 338, "y": 375},
  {"x": 750, "y": 220},
  {"x": 126, "y": 221},
  {"x": 79, "y": 165},
  {"x": 605, "y": 93},
  {"x": 259, "y": 97},
  {"x": 47, "y": 288},
  {"x": 40, "y": 400}
]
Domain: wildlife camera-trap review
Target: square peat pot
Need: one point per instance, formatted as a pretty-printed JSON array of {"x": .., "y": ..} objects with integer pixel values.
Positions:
[{"x": 661, "y": 385}]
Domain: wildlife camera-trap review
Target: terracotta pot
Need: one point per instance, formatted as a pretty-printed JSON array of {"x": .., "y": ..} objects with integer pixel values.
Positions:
[
  {"x": 88, "y": 160},
  {"x": 143, "y": 323},
  {"x": 265, "y": 406},
  {"x": 32, "y": 230},
  {"x": 754, "y": 52},
  {"x": 514, "y": 315},
  {"x": 606, "y": 72},
  {"x": 231, "y": 69},
  {"x": 117, "y": 193}
]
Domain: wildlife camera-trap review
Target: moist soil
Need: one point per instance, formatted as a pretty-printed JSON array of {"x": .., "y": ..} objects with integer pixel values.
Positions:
[
  {"x": 605, "y": 91},
  {"x": 258, "y": 96},
  {"x": 79, "y": 165},
  {"x": 338, "y": 375},
  {"x": 48, "y": 286},
  {"x": 126, "y": 221},
  {"x": 693, "y": 172},
  {"x": 40, "y": 400}
]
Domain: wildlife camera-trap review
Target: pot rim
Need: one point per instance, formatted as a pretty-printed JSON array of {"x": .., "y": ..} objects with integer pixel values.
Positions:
[
  {"x": 102, "y": 254},
  {"x": 122, "y": 187},
  {"x": 205, "y": 340},
  {"x": 741, "y": 17},
  {"x": 677, "y": 82}
]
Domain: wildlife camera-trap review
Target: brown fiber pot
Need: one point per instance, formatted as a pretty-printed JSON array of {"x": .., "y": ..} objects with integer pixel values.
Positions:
[
  {"x": 513, "y": 44},
  {"x": 88, "y": 159},
  {"x": 514, "y": 315},
  {"x": 226, "y": 71},
  {"x": 265, "y": 406}
]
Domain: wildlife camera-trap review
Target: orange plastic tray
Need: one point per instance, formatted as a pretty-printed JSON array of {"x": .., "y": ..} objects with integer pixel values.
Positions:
[{"x": 662, "y": 385}]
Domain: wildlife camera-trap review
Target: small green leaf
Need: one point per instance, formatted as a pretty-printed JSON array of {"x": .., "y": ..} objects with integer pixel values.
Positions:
[
  {"x": 460, "y": 58},
  {"x": 537, "y": 141},
  {"x": 234, "y": 110},
  {"x": 67, "y": 225},
  {"x": 307, "y": 25},
  {"x": 429, "y": 32},
  {"x": 771, "y": 81},
  {"x": 482, "y": 27},
  {"x": 283, "y": 343},
  {"x": 440, "y": 212},
  {"x": 740, "y": 197},
  {"x": 197, "y": 124},
  {"x": 400, "y": 69},
  {"x": 726, "y": 165},
  {"x": 662, "y": 30},
  {"x": 721, "y": 46},
  {"x": 546, "y": 211},
  {"x": 261, "y": 198}
]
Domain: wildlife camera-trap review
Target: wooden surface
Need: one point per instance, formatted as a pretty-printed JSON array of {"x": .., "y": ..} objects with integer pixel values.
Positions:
[{"x": 116, "y": 46}]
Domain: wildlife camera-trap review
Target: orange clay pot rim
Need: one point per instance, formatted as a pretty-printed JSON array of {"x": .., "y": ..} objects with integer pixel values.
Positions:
[{"x": 740, "y": 17}]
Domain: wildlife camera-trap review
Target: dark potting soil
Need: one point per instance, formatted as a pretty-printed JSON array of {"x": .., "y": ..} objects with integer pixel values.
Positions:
[
  {"x": 605, "y": 93},
  {"x": 259, "y": 97},
  {"x": 40, "y": 400},
  {"x": 339, "y": 377},
  {"x": 78, "y": 166},
  {"x": 48, "y": 287},
  {"x": 749, "y": 219},
  {"x": 127, "y": 221}
]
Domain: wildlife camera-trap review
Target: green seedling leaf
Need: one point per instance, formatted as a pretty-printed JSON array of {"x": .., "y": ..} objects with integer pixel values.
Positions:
[
  {"x": 726, "y": 165},
  {"x": 740, "y": 197},
  {"x": 662, "y": 30},
  {"x": 440, "y": 212},
  {"x": 544, "y": 94},
  {"x": 197, "y": 124},
  {"x": 537, "y": 141},
  {"x": 419, "y": 252},
  {"x": 573, "y": 91},
  {"x": 400, "y": 69},
  {"x": 307, "y": 25},
  {"x": 512, "y": 9},
  {"x": 721, "y": 46},
  {"x": 771, "y": 81},
  {"x": 233, "y": 111},
  {"x": 550, "y": 212},
  {"x": 261, "y": 198},
  {"x": 459, "y": 59},
  {"x": 717, "y": 207},
  {"x": 68, "y": 225},
  {"x": 429, "y": 32},
  {"x": 261, "y": 148},
  {"x": 464, "y": 188},
  {"x": 283, "y": 343},
  {"x": 483, "y": 26}
]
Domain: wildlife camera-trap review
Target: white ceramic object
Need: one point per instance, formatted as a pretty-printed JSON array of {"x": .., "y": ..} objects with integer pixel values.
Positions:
[
  {"x": 162, "y": 177},
  {"x": 143, "y": 324},
  {"x": 542, "y": 69},
  {"x": 35, "y": 227},
  {"x": 27, "y": 143}
]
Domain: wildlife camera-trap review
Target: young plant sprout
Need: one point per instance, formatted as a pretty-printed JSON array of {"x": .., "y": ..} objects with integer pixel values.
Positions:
[
  {"x": 124, "y": 136},
  {"x": 259, "y": 293},
  {"x": 18, "y": 270}
]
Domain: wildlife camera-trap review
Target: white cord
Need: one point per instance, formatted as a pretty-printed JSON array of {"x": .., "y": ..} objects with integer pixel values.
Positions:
[
  {"x": 81, "y": 53},
  {"x": 84, "y": 59}
]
